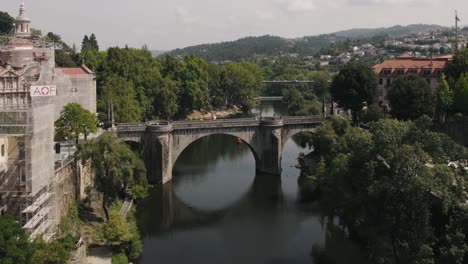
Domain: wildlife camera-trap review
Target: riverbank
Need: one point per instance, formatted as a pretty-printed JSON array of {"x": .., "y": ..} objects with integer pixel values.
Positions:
[{"x": 214, "y": 114}]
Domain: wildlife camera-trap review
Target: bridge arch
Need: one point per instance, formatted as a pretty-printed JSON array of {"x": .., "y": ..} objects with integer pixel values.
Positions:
[{"x": 182, "y": 145}]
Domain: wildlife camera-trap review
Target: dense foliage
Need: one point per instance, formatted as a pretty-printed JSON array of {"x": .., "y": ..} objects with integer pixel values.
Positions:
[
  {"x": 15, "y": 247},
  {"x": 354, "y": 87},
  {"x": 6, "y": 23},
  {"x": 75, "y": 120},
  {"x": 14, "y": 244},
  {"x": 452, "y": 92},
  {"x": 117, "y": 168},
  {"x": 392, "y": 189},
  {"x": 142, "y": 87},
  {"x": 411, "y": 97}
]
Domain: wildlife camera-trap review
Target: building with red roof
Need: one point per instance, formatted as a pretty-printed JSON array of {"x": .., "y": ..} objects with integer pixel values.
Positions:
[{"x": 428, "y": 68}]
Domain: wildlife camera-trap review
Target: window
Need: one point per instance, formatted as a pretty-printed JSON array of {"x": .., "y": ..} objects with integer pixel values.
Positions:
[
  {"x": 413, "y": 71},
  {"x": 387, "y": 71},
  {"x": 380, "y": 81},
  {"x": 22, "y": 175},
  {"x": 9, "y": 83},
  {"x": 3, "y": 150},
  {"x": 438, "y": 72},
  {"x": 400, "y": 71},
  {"x": 426, "y": 72},
  {"x": 389, "y": 82},
  {"x": 22, "y": 151}
]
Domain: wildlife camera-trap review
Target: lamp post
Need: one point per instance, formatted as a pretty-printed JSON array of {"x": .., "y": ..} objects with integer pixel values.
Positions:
[
  {"x": 68, "y": 137},
  {"x": 84, "y": 132}
]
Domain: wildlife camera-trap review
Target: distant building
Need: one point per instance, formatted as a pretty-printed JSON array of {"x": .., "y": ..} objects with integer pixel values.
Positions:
[
  {"x": 428, "y": 68},
  {"x": 32, "y": 94}
]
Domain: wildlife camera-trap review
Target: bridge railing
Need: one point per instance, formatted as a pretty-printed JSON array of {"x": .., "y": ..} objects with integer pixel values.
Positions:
[{"x": 220, "y": 122}]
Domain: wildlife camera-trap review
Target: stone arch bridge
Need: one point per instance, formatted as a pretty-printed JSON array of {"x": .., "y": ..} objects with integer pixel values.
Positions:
[{"x": 164, "y": 141}]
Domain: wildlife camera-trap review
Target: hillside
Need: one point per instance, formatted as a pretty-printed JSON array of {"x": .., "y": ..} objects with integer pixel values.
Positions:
[
  {"x": 395, "y": 31},
  {"x": 249, "y": 47}
]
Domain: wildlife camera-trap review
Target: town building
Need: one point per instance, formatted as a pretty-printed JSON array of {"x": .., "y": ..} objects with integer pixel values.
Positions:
[
  {"x": 428, "y": 68},
  {"x": 32, "y": 93}
]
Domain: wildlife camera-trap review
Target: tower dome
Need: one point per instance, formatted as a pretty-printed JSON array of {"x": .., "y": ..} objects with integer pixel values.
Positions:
[{"x": 22, "y": 23}]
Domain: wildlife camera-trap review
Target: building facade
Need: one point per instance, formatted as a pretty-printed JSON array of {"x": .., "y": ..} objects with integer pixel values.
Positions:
[
  {"x": 427, "y": 68},
  {"x": 27, "y": 157}
]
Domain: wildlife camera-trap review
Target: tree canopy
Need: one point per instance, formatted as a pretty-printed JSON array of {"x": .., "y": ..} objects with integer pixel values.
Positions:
[
  {"x": 74, "y": 119},
  {"x": 6, "y": 23},
  {"x": 354, "y": 87},
  {"x": 14, "y": 244},
  {"x": 392, "y": 190},
  {"x": 116, "y": 167},
  {"x": 411, "y": 97}
]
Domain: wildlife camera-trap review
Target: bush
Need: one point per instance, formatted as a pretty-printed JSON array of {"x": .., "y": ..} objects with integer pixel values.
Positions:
[{"x": 120, "y": 258}]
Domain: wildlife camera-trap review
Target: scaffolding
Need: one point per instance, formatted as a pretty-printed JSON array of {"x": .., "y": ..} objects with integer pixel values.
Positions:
[{"x": 26, "y": 169}]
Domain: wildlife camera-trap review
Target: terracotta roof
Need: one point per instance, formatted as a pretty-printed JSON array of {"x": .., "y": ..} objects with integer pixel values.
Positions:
[
  {"x": 74, "y": 71},
  {"x": 407, "y": 63}
]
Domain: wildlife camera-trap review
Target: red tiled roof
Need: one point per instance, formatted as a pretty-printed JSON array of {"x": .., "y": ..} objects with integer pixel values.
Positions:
[
  {"x": 407, "y": 63},
  {"x": 74, "y": 71}
]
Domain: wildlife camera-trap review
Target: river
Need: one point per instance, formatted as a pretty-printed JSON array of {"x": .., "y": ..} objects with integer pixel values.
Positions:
[{"x": 218, "y": 210}]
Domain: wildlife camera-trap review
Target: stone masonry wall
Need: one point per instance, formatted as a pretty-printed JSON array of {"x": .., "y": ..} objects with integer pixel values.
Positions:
[{"x": 71, "y": 181}]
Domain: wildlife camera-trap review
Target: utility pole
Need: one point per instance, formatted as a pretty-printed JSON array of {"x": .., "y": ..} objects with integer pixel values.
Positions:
[{"x": 456, "y": 30}]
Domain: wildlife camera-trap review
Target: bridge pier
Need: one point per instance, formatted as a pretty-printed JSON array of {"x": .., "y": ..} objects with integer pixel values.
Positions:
[
  {"x": 158, "y": 152},
  {"x": 269, "y": 146}
]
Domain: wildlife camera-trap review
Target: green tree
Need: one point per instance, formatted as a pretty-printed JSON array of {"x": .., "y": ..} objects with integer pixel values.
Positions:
[
  {"x": 116, "y": 231},
  {"x": 120, "y": 258},
  {"x": 294, "y": 100},
  {"x": 93, "y": 44},
  {"x": 411, "y": 97},
  {"x": 85, "y": 43},
  {"x": 6, "y": 23},
  {"x": 122, "y": 94},
  {"x": 14, "y": 244},
  {"x": 242, "y": 84},
  {"x": 458, "y": 66},
  {"x": 74, "y": 119},
  {"x": 461, "y": 94},
  {"x": 354, "y": 87},
  {"x": 373, "y": 113},
  {"x": 57, "y": 251},
  {"x": 445, "y": 97},
  {"x": 116, "y": 168}
]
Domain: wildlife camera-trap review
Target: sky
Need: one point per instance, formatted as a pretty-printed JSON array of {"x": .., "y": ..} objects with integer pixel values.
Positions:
[{"x": 170, "y": 24}]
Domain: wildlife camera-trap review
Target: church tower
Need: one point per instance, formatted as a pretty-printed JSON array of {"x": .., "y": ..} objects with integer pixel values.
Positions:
[{"x": 22, "y": 23}]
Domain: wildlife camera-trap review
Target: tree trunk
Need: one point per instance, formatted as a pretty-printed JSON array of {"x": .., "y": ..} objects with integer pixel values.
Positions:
[{"x": 104, "y": 207}]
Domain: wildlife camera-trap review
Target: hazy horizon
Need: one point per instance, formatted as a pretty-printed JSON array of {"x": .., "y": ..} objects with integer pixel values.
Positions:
[{"x": 181, "y": 23}]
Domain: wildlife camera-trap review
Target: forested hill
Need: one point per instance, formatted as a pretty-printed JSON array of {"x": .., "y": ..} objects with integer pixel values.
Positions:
[
  {"x": 235, "y": 50},
  {"x": 395, "y": 31},
  {"x": 249, "y": 47}
]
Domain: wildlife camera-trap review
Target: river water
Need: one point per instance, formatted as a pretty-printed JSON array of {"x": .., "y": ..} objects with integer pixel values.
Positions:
[{"x": 218, "y": 210}]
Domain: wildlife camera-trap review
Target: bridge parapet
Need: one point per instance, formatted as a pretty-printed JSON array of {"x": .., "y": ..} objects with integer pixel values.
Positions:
[
  {"x": 158, "y": 127},
  {"x": 271, "y": 121}
]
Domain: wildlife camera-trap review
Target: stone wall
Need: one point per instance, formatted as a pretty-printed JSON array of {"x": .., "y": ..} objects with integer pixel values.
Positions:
[{"x": 70, "y": 184}]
